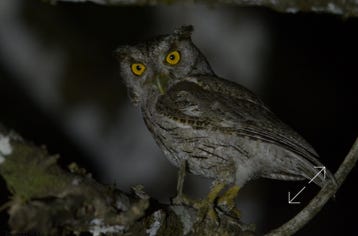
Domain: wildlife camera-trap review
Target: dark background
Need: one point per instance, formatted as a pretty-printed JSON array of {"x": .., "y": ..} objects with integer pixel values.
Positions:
[{"x": 59, "y": 86}]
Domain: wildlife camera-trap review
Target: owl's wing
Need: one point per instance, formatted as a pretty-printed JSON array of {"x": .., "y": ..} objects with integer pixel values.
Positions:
[{"x": 217, "y": 104}]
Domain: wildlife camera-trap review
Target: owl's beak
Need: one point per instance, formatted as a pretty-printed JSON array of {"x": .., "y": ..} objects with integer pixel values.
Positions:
[{"x": 161, "y": 82}]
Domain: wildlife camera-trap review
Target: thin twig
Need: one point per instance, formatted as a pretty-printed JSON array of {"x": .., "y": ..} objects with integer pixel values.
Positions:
[{"x": 317, "y": 203}]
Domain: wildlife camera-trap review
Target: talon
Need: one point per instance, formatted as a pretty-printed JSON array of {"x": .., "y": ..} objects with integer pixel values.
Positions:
[{"x": 206, "y": 210}]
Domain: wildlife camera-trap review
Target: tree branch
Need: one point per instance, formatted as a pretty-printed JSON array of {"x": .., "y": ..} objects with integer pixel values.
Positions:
[
  {"x": 346, "y": 8},
  {"x": 49, "y": 200},
  {"x": 317, "y": 203}
]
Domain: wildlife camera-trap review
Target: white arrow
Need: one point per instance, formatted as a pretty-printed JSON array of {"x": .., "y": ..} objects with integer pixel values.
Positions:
[
  {"x": 323, "y": 168},
  {"x": 290, "y": 201}
]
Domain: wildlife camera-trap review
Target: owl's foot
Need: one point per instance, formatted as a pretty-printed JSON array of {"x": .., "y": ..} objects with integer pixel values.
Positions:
[
  {"x": 227, "y": 201},
  {"x": 206, "y": 207}
]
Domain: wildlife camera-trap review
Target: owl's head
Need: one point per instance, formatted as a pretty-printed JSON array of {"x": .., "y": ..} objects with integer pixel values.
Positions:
[{"x": 151, "y": 67}]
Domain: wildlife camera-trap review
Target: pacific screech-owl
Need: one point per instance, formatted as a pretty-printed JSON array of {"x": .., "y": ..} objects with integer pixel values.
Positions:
[{"x": 220, "y": 128}]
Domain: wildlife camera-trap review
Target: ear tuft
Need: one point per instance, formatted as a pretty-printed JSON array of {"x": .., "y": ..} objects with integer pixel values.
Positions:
[
  {"x": 184, "y": 32},
  {"x": 121, "y": 52}
]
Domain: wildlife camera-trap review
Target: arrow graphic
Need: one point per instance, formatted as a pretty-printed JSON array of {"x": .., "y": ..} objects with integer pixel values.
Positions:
[
  {"x": 323, "y": 168},
  {"x": 290, "y": 201}
]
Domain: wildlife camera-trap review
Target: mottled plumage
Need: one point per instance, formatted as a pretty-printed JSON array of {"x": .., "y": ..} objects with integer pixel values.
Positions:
[{"x": 221, "y": 128}]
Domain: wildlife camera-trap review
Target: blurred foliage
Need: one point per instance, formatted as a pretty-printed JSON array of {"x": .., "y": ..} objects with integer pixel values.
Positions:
[{"x": 88, "y": 35}]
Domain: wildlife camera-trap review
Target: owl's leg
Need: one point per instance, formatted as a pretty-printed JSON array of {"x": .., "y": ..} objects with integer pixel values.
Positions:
[
  {"x": 227, "y": 201},
  {"x": 180, "y": 198},
  {"x": 181, "y": 177},
  {"x": 214, "y": 191}
]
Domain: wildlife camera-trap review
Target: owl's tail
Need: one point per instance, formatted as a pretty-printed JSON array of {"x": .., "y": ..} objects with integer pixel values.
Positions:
[
  {"x": 315, "y": 172},
  {"x": 302, "y": 168}
]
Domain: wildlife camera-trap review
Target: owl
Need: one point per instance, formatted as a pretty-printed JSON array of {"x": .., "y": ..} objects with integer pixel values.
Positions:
[{"x": 220, "y": 129}]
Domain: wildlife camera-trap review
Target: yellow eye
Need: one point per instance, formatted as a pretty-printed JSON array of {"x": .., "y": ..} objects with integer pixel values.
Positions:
[
  {"x": 138, "y": 68},
  {"x": 173, "y": 57}
]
